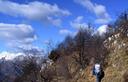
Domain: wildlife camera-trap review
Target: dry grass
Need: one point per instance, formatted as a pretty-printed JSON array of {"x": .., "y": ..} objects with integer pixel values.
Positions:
[
  {"x": 116, "y": 70},
  {"x": 118, "y": 65}
]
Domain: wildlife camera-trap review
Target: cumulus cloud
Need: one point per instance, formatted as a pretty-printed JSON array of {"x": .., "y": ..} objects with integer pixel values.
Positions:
[
  {"x": 99, "y": 10},
  {"x": 101, "y": 21},
  {"x": 41, "y": 11},
  {"x": 78, "y": 23},
  {"x": 46, "y": 42},
  {"x": 65, "y": 32},
  {"x": 17, "y": 34}
]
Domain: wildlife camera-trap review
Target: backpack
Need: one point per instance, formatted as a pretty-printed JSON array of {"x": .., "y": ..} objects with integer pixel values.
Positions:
[{"x": 100, "y": 74}]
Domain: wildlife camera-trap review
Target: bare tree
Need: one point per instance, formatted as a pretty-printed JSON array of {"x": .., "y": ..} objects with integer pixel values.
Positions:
[{"x": 82, "y": 42}]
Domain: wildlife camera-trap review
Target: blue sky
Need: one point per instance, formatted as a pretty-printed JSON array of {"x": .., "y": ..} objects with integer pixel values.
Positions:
[{"x": 33, "y": 23}]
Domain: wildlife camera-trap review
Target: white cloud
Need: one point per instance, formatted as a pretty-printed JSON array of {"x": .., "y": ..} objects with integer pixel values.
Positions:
[
  {"x": 86, "y": 3},
  {"x": 46, "y": 42},
  {"x": 101, "y": 21},
  {"x": 65, "y": 32},
  {"x": 17, "y": 34},
  {"x": 102, "y": 29},
  {"x": 41, "y": 11},
  {"x": 99, "y": 10},
  {"x": 56, "y": 22},
  {"x": 78, "y": 23}
]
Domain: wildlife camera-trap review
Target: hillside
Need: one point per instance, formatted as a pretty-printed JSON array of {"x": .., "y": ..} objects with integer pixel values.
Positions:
[
  {"x": 115, "y": 63},
  {"x": 117, "y": 70}
]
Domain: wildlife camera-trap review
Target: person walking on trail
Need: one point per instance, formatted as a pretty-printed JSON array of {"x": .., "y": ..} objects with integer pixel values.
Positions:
[{"x": 98, "y": 72}]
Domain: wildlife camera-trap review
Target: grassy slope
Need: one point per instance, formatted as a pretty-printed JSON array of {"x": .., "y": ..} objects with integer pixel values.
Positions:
[
  {"x": 117, "y": 64},
  {"x": 115, "y": 70}
]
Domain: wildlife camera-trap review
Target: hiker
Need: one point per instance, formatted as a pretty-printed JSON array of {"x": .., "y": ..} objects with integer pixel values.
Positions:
[{"x": 98, "y": 72}]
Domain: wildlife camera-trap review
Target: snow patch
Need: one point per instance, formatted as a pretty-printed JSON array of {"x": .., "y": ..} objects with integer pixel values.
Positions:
[
  {"x": 102, "y": 29},
  {"x": 9, "y": 55}
]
